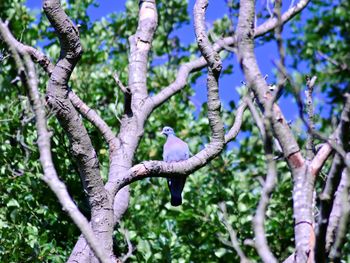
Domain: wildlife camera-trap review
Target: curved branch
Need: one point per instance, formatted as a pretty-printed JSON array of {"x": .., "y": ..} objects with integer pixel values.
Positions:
[
  {"x": 199, "y": 63},
  {"x": 272, "y": 23},
  {"x": 232, "y": 233}
]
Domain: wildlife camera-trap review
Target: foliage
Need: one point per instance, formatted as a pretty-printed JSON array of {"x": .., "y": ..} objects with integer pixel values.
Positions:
[{"x": 33, "y": 227}]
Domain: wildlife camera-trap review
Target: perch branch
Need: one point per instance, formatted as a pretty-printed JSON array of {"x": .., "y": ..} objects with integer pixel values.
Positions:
[{"x": 163, "y": 169}]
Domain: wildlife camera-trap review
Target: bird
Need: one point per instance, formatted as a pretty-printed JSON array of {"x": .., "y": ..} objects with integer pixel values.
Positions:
[{"x": 175, "y": 150}]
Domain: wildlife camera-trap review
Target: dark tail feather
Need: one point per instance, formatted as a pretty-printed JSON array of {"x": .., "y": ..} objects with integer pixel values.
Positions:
[
  {"x": 176, "y": 200},
  {"x": 176, "y": 185}
]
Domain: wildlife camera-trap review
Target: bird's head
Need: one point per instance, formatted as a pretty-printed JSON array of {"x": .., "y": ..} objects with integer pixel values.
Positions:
[{"x": 168, "y": 131}]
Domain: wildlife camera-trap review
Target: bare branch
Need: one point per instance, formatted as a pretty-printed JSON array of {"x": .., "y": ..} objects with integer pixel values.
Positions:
[
  {"x": 95, "y": 119},
  {"x": 140, "y": 44},
  {"x": 81, "y": 145},
  {"x": 255, "y": 80},
  {"x": 120, "y": 83},
  {"x": 81, "y": 251},
  {"x": 342, "y": 208},
  {"x": 336, "y": 212},
  {"x": 272, "y": 23},
  {"x": 341, "y": 66},
  {"x": 219, "y": 45},
  {"x": 57, "y": 98},
  {"x": 258, "y": 120},
  {"x": 320, "y": 158},
  {"x": 303, "y": 181},
  {"x": 233, "y": 236},
  {"x": 35, "y": 54},
  {"x": 268, "y": 186},
  {"x": 232, "y": 133},
  {"x": 214, "y": 69},
  {"x": 332, "y": 183},
  {"x": 125, "y": 232},
  {"x": 29, "y": 78},
  {"x": 265, "y": 129},
  {"x": 310, "y": 113}
]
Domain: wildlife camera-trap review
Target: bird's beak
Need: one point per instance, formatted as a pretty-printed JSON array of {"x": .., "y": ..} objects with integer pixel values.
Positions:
[{"x": 162, "y": 133}]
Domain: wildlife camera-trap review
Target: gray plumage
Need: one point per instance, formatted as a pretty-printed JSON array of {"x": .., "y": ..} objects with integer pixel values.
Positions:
[{"x": 175, "y": 150}]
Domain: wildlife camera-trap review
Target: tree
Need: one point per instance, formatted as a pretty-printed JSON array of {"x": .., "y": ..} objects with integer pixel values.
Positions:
[{"x": 125, "y": 122}]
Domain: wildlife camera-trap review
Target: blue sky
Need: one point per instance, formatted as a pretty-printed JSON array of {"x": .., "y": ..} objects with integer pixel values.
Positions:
[{"x": 266, "y": 53}]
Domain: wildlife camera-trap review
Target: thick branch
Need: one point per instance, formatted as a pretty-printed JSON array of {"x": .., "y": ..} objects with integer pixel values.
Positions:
[
  {"x": 338, "y": 227},
  {"x": 29, "y": 78},
  {"x": 332, "y": 183},
  {"x": 57, "y": 97},
  {"x": 81, "y": 251},
  {"x": 82, "y": 149},
  {"x": 245, "y": 33},
  {"x": 140, "y": 44},
  {"x": 35, "y": 54},
  {"x": 214, "y": 69}
]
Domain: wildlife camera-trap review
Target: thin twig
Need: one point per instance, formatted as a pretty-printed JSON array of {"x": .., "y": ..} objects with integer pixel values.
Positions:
[
  {"x": 233, "y": 236},
  {"x": 131, "y": 248},
  {"x": 120, "y": 83},
  {"x": 310, "y": 83}
]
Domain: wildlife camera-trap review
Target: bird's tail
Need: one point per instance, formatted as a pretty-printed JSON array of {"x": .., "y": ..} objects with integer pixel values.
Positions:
[
  {"x": 176, "y": 200},
  {"x": 176, "y": 185}
]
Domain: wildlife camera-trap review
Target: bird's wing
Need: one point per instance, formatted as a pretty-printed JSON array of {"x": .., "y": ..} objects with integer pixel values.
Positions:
[{"x": 175, "y": 150}]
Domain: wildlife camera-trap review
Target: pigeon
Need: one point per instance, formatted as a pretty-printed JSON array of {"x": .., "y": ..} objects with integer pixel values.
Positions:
[{"x": 175, "y": 150}]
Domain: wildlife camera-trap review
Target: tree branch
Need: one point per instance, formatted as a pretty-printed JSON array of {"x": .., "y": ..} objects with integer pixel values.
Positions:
[
  {"x": 35, "y": 54},
  {"x": 303, "y": 181},
  {"x": 217, "y": 139},
  {"x": 125, "y": 232},
  {"x": 140, "y": 44},
  {"x": 233, "y": 236},
  {"x": 333, "y": 179},
  {"x": 310, "y": 114},
  {"x": 28, "y": 76},
  {"x": 339, "y": 218},
  {"x": 199, "y": 63},
  {"x": 95, "y": 119},
  {"x": 82, "y": 149},
  {"x": 265, "y": 128}
]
